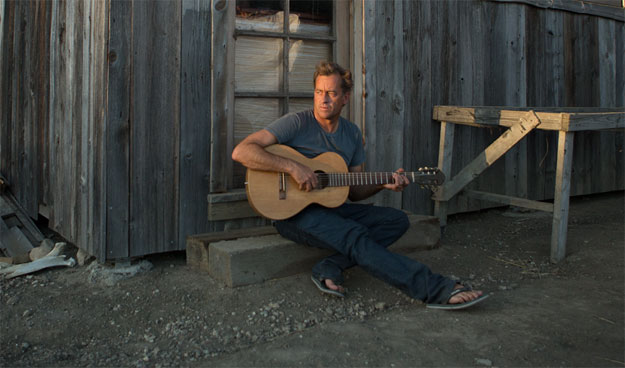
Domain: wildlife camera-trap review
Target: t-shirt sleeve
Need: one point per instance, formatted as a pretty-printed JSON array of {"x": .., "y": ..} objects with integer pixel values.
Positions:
[{"x": 285, "y": 128}]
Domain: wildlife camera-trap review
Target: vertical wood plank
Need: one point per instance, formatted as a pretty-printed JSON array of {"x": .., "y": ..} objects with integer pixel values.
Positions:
[
  {"x": 419, "y": 151},
  {"x": 370, "y": 82},
  {"x": 390, "y": 94},
  {"x": 445, "y": 156},
  {"x": 155, "y": 130},
  {"x": 561, "y": 196},
  {"x": 6, "y": 65},
  {"x": 607, "y": 169},
  {"x": 98, "y": 92},
  {"x": 195, "y": 117},
  {"x": 222, "y": 100},
  {"x": 620, "y": 101},
  {"x": 117, "y": 139}
]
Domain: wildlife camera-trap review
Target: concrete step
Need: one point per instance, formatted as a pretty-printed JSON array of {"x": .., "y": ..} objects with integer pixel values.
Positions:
[{"x": 243, "y": 260}]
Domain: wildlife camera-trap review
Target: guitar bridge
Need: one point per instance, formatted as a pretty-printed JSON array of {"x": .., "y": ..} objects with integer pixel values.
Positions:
[{"x": 282, "y": 186}]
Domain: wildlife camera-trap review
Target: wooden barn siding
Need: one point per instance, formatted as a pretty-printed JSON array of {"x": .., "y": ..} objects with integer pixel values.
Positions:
[
  {"x": 485, "y": 53},
  {"x": 24, "y": 70},
  {"x": 159, "y": 126},
  {"x": 77, "y": 114},
  {"x": 52, "y": 103}
]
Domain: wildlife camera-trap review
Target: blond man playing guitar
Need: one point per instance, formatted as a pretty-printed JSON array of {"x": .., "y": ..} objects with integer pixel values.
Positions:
[{"x": 359, "y": 233}]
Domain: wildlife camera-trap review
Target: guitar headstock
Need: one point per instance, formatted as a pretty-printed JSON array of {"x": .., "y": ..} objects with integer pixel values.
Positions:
[{"x": 430, "y": 177}]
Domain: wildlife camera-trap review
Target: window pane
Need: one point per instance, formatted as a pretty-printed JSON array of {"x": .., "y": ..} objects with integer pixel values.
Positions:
[
  {"x": 257, "y": 64},
  {"x": 300, "y": 104},
  {"x": 250, "y": 115},
  {"x": 311, "y": 17},
  {"x": 267, "y": 16},
  {"x": 303, "y": 56}
]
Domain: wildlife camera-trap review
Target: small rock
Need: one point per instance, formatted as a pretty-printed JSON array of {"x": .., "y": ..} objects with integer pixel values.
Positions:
[
  {"x": 42, "y": 250},
  {"x": 83, "y": 258},
  {"x": 486, "y": 362}
]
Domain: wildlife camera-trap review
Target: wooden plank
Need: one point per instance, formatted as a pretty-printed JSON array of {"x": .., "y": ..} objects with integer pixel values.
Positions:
[
  {"x": 155, "y": 129},
  {"x": 6, "y": 75},
  {"x": 592, "y": 7},
  {"x": 230, "y": 210},
  {"x": 445, "y": 155},
  {"x": 13, "y": 241},
  {"x": 369, "y": 86},
  {"x": 99, "y": 47},
  {"x": 608, "y": 118},
  {"x": 232, "y": 234},
  {"x": 357, "y": 63},
  {"x": 508, "y": 200},
  {"x": 493, "y": 152},
  {"x": 32, "y": 229},
  {"x": 561, "y": 197},
  {"x": 418, "y": 152},
  {"x": 222, "y": 100},
  {"x": 195, "y": 111},
  {"x": 389, "y": 124},
  {"x": 118, "y": 135}
]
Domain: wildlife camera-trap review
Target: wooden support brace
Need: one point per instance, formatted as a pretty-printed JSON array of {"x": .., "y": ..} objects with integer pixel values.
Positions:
[
  {"x": 445, "y": 153},
  {"x": 491, "y": 154},
  {"x": 561, "y": 196}
]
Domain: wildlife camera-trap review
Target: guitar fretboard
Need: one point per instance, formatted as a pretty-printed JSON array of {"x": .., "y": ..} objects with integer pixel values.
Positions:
[{"x": 361, "y": 178}]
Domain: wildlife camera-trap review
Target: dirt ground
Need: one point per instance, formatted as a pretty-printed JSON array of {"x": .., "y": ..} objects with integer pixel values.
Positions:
[{"x": 539, "y": 314}]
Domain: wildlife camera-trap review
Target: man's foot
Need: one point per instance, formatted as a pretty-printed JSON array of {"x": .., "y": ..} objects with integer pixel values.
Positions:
[
  {"x": 461, "y": 297},
  {"x": 464, "y": 296},
  {"x": 332, "y": 286},
  {"x": 328, "y": 286}
]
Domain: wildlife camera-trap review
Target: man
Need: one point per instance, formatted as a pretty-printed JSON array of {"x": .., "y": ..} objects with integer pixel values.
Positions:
[{"x": 359, "y": 233}]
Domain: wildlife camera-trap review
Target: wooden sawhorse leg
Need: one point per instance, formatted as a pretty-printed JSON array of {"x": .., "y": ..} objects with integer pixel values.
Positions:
[
  {"x": 561, "y": 196},
  {"x": 445, "y": 152}
]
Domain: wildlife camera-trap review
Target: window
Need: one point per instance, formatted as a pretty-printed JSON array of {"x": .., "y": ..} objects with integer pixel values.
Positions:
[{"x": 277, "y": 45}]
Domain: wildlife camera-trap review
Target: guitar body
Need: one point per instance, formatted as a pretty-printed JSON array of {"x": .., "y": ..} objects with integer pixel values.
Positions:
[{"x": 277, "y": 196}]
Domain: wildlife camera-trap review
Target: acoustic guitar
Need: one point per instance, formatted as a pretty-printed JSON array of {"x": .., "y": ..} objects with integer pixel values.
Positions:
[{"x": 277, "y": 196}]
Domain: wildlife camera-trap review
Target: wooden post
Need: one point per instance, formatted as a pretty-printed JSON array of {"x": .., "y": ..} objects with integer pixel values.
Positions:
[
  {"x": 445, "y": 153},
  {"x": 561, "y": 196}
]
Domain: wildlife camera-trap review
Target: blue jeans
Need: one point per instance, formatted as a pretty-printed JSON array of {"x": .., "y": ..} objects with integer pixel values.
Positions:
[{"x": 360, "y": 233}]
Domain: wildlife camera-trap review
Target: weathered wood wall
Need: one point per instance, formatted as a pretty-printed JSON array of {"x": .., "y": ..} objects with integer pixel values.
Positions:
[
  {"x": 53, "y": 73},
  {"x": 106, "y": 106},
  {"x": 477, "y": 53}
]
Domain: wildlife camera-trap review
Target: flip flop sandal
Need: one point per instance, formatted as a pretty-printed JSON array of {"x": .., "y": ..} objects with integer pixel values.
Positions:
[
  {"x": 324, "y": 289},
  {"x": 458, "y": 306}
]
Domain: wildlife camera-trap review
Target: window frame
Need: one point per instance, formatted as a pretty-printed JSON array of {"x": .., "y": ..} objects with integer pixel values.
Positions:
[{"x": 223, "y": 96}]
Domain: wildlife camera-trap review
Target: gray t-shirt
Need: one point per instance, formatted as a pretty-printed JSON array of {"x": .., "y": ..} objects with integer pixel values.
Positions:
[{"x": 302, "y": 132}]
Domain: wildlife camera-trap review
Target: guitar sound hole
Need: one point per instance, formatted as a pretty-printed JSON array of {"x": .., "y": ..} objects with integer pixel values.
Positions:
[{"x": 322, "y": 179}]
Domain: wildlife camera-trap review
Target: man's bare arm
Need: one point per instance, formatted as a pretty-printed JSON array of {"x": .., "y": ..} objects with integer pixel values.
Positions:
[{"x": 251, "y": 153}]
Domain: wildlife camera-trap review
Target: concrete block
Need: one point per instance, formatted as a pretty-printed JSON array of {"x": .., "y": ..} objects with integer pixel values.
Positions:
[
  {"x": 424, "y": 233},
  {"x": 255, "y": 259},
  {"x": 252, "y": 260}
]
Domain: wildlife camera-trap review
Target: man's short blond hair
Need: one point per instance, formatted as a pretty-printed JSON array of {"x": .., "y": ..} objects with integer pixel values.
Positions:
[{"x": 327, "y": 68}]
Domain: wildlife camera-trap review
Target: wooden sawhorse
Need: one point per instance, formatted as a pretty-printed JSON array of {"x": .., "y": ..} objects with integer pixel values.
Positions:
[{"x": 521, "y": 121}]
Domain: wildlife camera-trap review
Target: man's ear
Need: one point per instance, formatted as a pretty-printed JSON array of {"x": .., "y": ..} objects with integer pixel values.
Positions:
[{"x": 346, "y": 97}]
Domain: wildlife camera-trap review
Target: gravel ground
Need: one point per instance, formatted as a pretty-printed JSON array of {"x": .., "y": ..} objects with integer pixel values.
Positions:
[{"x": 166, "y": 314}]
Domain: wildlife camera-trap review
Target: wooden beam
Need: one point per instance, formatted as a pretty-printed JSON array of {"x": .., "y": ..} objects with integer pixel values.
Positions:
[
  {"x": 508, "y": 200},
  {"x": 561, "y": 196},
  {"x": 491, "y": 154},
  {"x": 601, "y": 8},
  {"x": 445, "y": 153},
  {"x": 222, "y": 94},
  {"x": 551, "y": 118}
]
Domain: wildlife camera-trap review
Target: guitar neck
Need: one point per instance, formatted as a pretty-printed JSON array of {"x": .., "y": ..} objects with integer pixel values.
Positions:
[{"x": 361, "y": 178}]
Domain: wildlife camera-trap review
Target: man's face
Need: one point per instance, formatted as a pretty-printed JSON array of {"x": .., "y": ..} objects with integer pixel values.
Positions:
[{"x": 329, "y": 97}]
